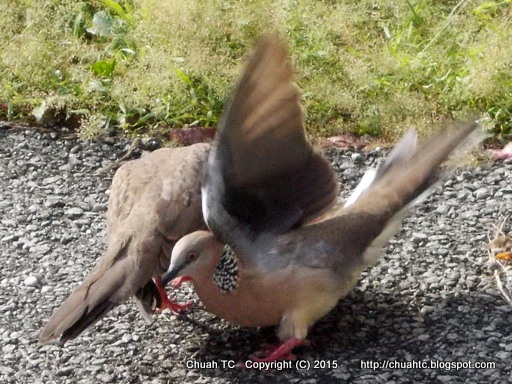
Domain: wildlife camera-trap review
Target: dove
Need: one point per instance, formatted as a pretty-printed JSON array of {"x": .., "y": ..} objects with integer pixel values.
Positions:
[
  {"x": 154, "y": 201},
  {"x": 278, "y": 251}
]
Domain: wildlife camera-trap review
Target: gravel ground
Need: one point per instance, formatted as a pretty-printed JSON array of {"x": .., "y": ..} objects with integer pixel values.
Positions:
[{"x": 431, "y": 298}]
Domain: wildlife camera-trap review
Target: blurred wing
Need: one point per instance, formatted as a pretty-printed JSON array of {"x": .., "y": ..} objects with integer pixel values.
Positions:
[
  {"x": 401, "y": 152},
  {"x": 378, "y": 213},
  {"x": 263, "y": 175}
]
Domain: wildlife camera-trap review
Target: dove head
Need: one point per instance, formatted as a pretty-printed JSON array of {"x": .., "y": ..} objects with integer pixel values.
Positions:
[{"x": 193, "y": 255}]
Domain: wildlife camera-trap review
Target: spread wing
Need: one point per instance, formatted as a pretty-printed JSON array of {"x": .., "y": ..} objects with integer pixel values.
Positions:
[{"x": 263, "y": 175}]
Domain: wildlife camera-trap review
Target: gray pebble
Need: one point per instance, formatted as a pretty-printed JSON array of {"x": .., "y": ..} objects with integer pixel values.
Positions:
[
  {"x": 9, "y": 223},
  {"x": 357, "y": 158},
  {"x": 482, "y": 193},
  {"x": 105, "y": 378},
  {"x": 65, "y": 371},
  {"x": 8, "y": 348},
  {"x": 74, "y": 213},
  {"x": 33, "y": 281},
  {"x": 99, "y": 208}
]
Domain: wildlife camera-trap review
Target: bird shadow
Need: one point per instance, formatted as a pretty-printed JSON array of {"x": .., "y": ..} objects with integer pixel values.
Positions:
[{"x": 358, "y": 328}]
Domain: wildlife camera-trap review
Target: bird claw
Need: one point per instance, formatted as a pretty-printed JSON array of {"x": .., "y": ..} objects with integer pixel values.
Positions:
[
  {"x": 174, "y": 307},
  {"x": 280, "y": 351},
  {"x": 267, "y": 349},
  {"x": 166, "y": 302},
  {"x": 269, "y": 357}
]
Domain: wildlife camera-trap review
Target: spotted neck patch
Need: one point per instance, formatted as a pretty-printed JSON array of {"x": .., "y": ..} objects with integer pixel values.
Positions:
[{"x": 226, "y": 272}]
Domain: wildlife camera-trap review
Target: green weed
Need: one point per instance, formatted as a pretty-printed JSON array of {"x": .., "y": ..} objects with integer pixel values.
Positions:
[{"x": 369, "y": 67}]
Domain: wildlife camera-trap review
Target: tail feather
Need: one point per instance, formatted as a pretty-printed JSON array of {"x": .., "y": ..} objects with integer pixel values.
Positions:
[
  {"x": 107, "y": 286},
  {"x": 405, "y": 181},
  {"x": 400, "y": 153},
  {"x": 379, "y": 211},
  {"x": 88, "y": 318},
  {"x": 87, "y": 304}
]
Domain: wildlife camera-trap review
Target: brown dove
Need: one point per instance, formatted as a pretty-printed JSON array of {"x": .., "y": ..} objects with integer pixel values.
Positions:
[
  {"x": 272, "y": 257},
  {"x": 154, "y": 201}
]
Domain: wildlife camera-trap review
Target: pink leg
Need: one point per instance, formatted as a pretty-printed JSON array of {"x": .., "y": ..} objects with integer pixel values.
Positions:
[
  {"x": 282, "y": 351},
  {"x": 167, "y": 303}
]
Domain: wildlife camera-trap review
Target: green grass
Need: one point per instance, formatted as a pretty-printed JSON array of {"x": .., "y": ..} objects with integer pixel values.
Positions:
[{"x": 368, "y": 67}]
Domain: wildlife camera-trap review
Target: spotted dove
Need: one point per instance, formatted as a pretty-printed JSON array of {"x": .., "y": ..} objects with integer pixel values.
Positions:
[
  {"x": 154, "y": 201},
  {"x": 271, "y": 256}
]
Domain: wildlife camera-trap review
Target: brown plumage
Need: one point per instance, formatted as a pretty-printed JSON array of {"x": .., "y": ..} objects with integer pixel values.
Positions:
[
  {"x": 263, "y": 190},
  {"x": 154, "y": 201}
]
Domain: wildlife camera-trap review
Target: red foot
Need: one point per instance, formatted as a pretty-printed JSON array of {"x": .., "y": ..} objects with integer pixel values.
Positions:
[
  {"x": 168, "y": 303},
  {"x": 281, "y": 351}
]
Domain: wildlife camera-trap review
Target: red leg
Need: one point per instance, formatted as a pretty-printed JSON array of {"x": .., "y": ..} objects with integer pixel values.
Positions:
[
  {"x": 282, "y": 351},
  {"x": 167, "y": 303}
]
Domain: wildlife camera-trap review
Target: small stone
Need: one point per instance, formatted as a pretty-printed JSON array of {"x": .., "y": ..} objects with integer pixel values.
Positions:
[
  {"x": 84, "y": 206},
  {"x": 126, "y": 338},
  {"x": 65, "y": 371},
  {"x": 21, "y": 218},
  {"x": 463, "y": 195},
  {"x": 9, "y": 238},
  {"x": 105, "y": 377},
  {"x": 9, "y": 223},
  {"x": 418, "y": 237},
  {"x": 427, "y": 309},
  {"x": 6, "y": 371},
  {"x": 445, "y": 378},
  {"x": 8, "y": 348},
  {"x": 66, "y": 239},
  {"x": 42, "y": 249},
  {"x": 482, "y": 193},
  {"x": 357, "y": 158},
  {"x": 33, "y": 281},
  {"x": 99, "y": 207},
  {"x": 51, "y": 180},
  {"x": 31, "y": 228},
  {"x": 33, "y": 208},
  {"x": 466, "y": 175},
  {"x": 74, "y": 213},
  {"x": 53, "y": 202}
]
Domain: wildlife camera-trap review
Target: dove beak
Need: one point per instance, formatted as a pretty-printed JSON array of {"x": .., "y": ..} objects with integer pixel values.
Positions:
[{"x": 171, "y": 274}]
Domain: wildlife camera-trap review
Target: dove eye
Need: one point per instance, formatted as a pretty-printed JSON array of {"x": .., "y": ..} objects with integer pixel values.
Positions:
[{"x": 191, "y": 256}]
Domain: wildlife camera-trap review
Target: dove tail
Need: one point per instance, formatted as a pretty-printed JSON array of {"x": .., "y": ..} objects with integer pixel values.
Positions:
[
  {"x": 379, "y": 210},
  {"x": 102, "y": 290},
  {"x": 405, "y": 182},
  {"x": 76, "y": 314}
]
